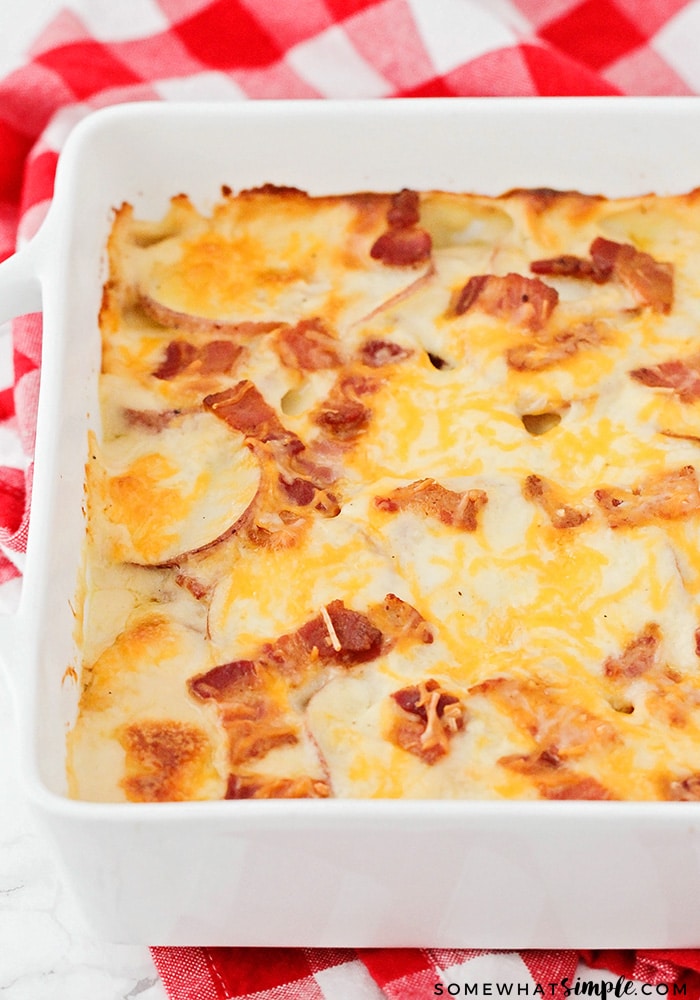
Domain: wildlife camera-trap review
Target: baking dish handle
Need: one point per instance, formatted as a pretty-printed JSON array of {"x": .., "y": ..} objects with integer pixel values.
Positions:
[
  {"x": 20, "y": 293},
  {"x": 20, "y": 287}
]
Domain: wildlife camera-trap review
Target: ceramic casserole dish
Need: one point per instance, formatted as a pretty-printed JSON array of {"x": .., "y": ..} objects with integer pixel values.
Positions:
[{"x": 354, "y": 873}]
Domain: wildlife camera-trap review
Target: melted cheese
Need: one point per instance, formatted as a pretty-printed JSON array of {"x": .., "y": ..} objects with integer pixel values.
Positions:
[{"x": 207, "y": 543}]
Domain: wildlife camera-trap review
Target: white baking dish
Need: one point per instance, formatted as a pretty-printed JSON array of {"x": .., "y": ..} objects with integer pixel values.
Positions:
[{"x": 321, "y": 873}]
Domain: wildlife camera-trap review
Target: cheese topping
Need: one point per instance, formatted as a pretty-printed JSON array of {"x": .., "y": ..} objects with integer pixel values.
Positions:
[{"x": 396, "y": 496}]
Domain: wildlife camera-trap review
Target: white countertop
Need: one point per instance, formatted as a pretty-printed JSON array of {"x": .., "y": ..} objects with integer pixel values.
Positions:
[{"x": 46, "y": 951}]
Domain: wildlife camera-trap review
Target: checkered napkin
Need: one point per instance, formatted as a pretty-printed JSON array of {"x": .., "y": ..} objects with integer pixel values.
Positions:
[
  {"x": 413, "y": 974},
  {"x": 101, "y": 52}
]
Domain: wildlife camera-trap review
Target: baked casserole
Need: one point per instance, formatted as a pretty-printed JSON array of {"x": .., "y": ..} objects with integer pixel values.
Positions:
[{"x": 395, "y": 496}]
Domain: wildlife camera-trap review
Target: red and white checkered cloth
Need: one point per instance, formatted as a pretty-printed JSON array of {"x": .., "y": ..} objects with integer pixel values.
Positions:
[
  {"x": 413, "y": 974},
  {"x": 101, "y": 52}
]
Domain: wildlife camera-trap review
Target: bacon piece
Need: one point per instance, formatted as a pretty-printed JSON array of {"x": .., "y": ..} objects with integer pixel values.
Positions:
[
  {"x": 218, "y": 356},
  {"x": 429, "y": 717},
  {"x": 546, "y": 351},
  {"x": 215, "y": 357},
  {"x": 402, "y": 247},
  {"x": 430, "y": 498},
  {"x": 263, "y": 786},
  {"x": 651, "y": 281},
  {"x": 527, "y": 302},
  {"x": 377, "y": 353},
  {"x": 403, "y": 243},
  {"x": 161, "y": 759},
  {"x": 305, "y": 493},
  {"x": 398, "y": 619},
  {"x": 244, "y": 409},
  {"x": 684, "y": 789},
  {"x": 309, "y": 346},
  {"x": 189, "y": 323},
  {"x": 667, "y": 496},
  {"x": 300, "y": 491},
  {"x": 225, "y": 681},
  {"x": 569, "y": 266},
  {"x": 637, "y": 658},
  {"x": 547, "y": 496},
  {"x": 575, "y": 786},
  {"x": 404, "y": 210},
  {"x": 179, "y": 355},
  {"x": 342, "y": 635},
  {"x": 346, "y": 420},
  {"x": 343, "y": 415},
  {"x": 680, "y": 374}
]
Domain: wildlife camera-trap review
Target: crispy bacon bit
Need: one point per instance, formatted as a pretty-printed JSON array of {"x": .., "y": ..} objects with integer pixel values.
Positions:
[
  {"x": 218, "y": 356},
  {"x": 300, "y": 491},
  {"x": 547, "y": 496},
  {"x": 179, "y": 355},
  {"x": 685, "y": 789},
  {"x": 569, "y": 266},
  {"x": 175, "y": 320},
  {"x": 527, "y": 302},
  {"x": 667, "y": 496},
  {"x": 262, "y": 786},
  {"x": 351, "y": 638},
  {"x": 697, "y": 641},
  {"x": 546, "y": 351},
  {"x": 404, "y": 210},
  {"x": 403, "y": 243},
  {"x": 397, "y": 619},
  {"x": 244, "y": 409},
  {"x": 309, "y": 346},
  {"x": 648, "y": 279},
  {"x": 575, "y": 786},
  {"x": 377, "y": 353},
  {"x": 343, "y": 415},
  {"x": 430, "y": 498},
  {"x": 429, "y": 717},
  {"x": 225, "y": 681},
  {"x": 346, "y": 420},
  {"x": 402, "y": 247},
  {"x": 215, "y": 357},
  {"x": 161, "y": 759},
  {"x": 637, "y": 658},
  {"x": 681, "y": 375}
]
